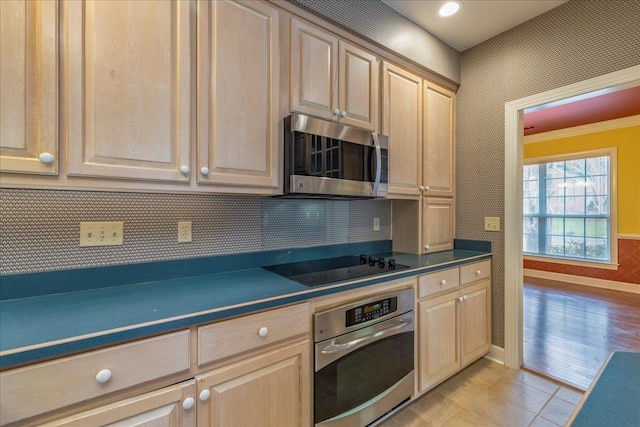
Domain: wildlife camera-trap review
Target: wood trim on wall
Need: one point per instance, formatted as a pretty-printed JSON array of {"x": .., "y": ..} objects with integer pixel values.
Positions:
[
  {"x": 584, "y": 129},
  {"x": 585, "y": 281}
]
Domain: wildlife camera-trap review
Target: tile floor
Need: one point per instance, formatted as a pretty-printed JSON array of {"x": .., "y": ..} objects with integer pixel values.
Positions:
[{"x": 489, "y": 394}]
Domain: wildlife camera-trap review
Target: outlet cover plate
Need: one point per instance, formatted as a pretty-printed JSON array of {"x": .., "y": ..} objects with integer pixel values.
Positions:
[
  {"x": 184, "y": 231},
  {"x": 106, "y": 233}
]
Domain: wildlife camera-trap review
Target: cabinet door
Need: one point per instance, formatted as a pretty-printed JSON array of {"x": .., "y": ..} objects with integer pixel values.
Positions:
[
  {"x": 476, "y": 321},
  {"x": 314, "y": 71},
  {"x": 29, "y": 86},
  {"x": 358, "y": 83},
  {"x": 238, "y": 132},
  {"x": 127, "y": 68},
  {"x": 439, "y": 351},
  {"x": 438, "y": 218},
  {"x": 402, "y": 122},
  {"x": 159, "y": 408},
  {"x": 438, "y": 146},
  {"x": 269, "y": 390}
]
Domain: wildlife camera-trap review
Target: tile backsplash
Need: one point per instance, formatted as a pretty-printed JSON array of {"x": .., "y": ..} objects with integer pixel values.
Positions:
[{"x": 39, "y": 229}]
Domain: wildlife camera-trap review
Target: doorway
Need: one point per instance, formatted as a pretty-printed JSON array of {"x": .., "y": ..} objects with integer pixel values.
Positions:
[{"x": 513, "y": 355}]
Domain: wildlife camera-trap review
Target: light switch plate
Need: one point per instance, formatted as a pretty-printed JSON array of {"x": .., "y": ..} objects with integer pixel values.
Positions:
[
  {"x": 101, "y": 233},
  {"x": 376, "y": 224},
  {"x": 491, "y": 223}
]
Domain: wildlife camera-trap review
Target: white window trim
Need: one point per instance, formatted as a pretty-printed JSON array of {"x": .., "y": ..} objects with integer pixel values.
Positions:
[{"x": 612, "y": 152}]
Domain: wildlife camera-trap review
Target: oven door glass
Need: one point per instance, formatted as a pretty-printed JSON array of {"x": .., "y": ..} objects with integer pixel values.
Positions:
[{"x": 362, "y": 375}]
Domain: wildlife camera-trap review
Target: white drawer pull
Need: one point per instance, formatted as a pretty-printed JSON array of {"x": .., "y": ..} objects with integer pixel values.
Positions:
[
  {"x": 204, "y": 171},
  {"x": 205, "y": 395},
  {"x": 443, "y": 282},
  {"x": 263, "y": 332},
  {"x": 46, "y": 158},
  {"x": 343, "y": 114},
  {"x": 188, "y": 403},
  {"x": 185, "y": 169},
  {"x": 103, "y": 376},
  {"x": 336, "y": 111},
  {"x": 478, "y": 272}
]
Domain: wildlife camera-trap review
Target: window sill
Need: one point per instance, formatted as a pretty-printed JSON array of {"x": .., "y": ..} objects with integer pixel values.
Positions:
[{"x": 567, "y": 261}]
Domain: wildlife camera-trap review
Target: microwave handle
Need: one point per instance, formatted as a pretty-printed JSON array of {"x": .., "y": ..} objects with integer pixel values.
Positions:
[{"x": 376, "y": 183}]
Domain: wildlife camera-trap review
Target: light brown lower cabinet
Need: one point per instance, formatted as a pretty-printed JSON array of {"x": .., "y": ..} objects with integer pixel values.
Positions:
[
  {"x": 170, "y": 406},
  {"x": 454, "y": 330},
  {"x": 271, "y": 389}
]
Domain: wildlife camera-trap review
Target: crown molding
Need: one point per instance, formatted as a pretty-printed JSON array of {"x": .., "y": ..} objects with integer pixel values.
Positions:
[{"x": 623, "y": 122}]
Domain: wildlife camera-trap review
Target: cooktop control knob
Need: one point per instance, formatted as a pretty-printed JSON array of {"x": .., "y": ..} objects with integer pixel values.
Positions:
[
  {"x": 392, "y": 264},
  {"x": 372, "y": 261},
  {"x": 363, "y": 259},
  {"x": 381, "y": 262}
]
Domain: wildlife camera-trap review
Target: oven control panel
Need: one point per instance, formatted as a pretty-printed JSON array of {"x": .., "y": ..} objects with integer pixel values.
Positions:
[{"x": 370, "y": 311}]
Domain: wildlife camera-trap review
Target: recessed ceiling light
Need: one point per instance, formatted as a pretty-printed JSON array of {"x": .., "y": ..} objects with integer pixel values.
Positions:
[{"x": 449, "y": 8}]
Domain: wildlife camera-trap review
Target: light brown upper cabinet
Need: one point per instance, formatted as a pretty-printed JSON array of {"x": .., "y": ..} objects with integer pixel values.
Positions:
[
  {"x": 126, "y": 83},
  {"x": 238, "y": 96},
  {"x": 402, "y": 122},
  {"x": 29, "y": 86},
  {"x": 438, "y": 142},
  {"x": 332, "y": 79}
]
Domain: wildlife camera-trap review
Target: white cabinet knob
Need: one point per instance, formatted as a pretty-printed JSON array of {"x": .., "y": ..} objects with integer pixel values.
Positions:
[
  {"x": 204, "y": 171},
  {"x": 460, "y": 299},
  {"x": 478, "y": 272},
  {"x": 188, "y": 403},
  {"x": 103, "y": 376},
  {"x": 343, "y": 114},
  {"x": 205, "y": 395},
  {"x": 422, "y": 188},
  {"x": 263, "y": 332},
  {"x": 184, "y": 169},
  {"x": 426, "y": 188},
  {"x": 426, "y": 248},
  {"x": 336, "y": 112},
  {"x": 46, "y": 158},
  {"x": 443, "y": 282}
]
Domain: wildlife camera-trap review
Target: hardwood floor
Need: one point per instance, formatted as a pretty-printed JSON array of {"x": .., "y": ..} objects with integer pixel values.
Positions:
[{"x": 569, "y": 330}]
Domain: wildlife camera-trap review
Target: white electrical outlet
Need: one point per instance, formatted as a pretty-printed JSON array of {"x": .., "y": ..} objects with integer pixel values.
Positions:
[
  {"x": 184, "y": 231},
  {"x": 491, "y": 223},
  {"x": 101, "y": 233},
  {"x": 376, "y": 224}
]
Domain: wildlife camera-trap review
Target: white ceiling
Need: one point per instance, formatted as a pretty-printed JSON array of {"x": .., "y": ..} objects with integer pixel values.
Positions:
[{"x": 477, "y": 20}]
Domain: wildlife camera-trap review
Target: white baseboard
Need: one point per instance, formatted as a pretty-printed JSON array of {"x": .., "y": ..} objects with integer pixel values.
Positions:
[
  {"x": 586, "y": 281},
  {"x": 496, "y": 354}
]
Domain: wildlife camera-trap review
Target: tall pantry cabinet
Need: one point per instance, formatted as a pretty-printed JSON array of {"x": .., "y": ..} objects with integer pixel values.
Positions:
[{"x": 418, "y": 117}]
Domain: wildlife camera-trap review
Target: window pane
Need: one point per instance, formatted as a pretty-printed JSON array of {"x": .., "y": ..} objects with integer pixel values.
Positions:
[
  {"x": 575, "y": 187},
  {"x": 555, "y": 170},
  {"x": 555, "y": 245},
  {"x": 531, "y": 188},
  {"x": 530, "y": 241},
  {"x": 574, "y": 247},
  {"x": 555, "y": 205},
  {"x": 555, "y": 226},
  {"x": 574, "y": 227},
  {"x": 575, "y": 205},
  {"x": 530, "y": 172},
  {"x": 598, "y": 249},
  {"x": 555, "y": 187},
  {"x": 598, "y": 165},
  {"x": 530, "y": 206},
  {"x": 574, "y": 168}
]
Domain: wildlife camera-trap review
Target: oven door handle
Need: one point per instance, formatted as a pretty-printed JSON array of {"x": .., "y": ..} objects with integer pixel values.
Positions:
[{"x": 336, "y": 348}]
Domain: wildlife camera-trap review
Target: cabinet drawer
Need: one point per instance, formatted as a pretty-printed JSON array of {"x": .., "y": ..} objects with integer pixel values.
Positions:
[
  {"x": 40, "y": 388},
  {"x": 439, "y": 281},
  {"x": 476, "y": 271},
  {"x": 231, "y": 337}
]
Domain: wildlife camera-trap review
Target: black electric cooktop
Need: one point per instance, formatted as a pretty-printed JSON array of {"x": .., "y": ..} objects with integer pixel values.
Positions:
[{"x": 323, "y": 271}]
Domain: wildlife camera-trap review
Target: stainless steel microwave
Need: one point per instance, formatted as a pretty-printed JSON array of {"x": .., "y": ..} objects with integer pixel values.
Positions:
[{"x": 328, "y": 159}]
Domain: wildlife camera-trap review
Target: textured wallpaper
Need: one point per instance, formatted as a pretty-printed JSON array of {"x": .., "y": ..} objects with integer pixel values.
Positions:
[
  {"x": 39, "y": 229},
  {"x": 578, "y": 40}
]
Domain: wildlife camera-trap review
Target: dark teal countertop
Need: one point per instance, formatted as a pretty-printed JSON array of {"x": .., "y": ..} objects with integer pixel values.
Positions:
[
  {"x": 48, "y": 325},
  {"x": 614, "y": 397}
]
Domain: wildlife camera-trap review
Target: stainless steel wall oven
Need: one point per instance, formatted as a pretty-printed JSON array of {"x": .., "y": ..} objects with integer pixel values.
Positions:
[{"x": 363, "y": 359}]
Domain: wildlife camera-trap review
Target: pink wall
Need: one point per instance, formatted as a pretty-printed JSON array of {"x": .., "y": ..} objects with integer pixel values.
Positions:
[{"x": 628, "y": 271}]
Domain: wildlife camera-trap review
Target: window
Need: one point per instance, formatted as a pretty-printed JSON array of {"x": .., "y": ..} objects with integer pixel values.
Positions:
[{"x": 568, "y": 207}]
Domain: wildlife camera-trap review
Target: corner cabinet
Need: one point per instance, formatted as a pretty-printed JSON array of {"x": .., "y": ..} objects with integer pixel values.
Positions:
[
  {"x": 126, "y": 76},
  {"x": 238, "y": 97},
  {"x": 331, "y": 78},
  {"x": 29, "y": 87},
  {"x": 454, "y": 315}
]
